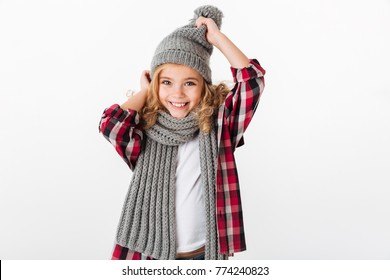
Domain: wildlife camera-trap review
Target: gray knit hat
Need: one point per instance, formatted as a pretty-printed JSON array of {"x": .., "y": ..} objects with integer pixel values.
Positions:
[{"x": 187, "y": 45}]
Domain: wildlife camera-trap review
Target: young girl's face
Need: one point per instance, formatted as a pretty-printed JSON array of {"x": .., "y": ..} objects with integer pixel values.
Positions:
[{"x": 180, "y": 89}]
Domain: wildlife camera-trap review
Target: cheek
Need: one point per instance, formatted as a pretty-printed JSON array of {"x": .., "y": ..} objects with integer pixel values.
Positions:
[
  {"x": 160, "y": 98},
  {"x": 197, "y": 101},
  {"x": 198, "y": 98},
  {"x": 161, "y": 95}
]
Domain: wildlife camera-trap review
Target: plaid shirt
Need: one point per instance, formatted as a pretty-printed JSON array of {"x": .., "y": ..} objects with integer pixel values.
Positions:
[{"x": 122, "y": 129}]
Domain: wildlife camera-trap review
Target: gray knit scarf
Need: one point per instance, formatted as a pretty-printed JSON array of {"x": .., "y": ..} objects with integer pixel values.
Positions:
[{"x": 148, "y": 224}]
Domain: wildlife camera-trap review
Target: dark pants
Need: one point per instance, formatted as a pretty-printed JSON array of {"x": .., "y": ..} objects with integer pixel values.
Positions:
[{"x": 196, "y": 258}]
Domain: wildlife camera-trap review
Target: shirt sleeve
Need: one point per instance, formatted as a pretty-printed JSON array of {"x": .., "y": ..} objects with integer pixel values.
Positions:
[
  {"x": 121, "y": 128},
  {"x": 241, "y": 103}
]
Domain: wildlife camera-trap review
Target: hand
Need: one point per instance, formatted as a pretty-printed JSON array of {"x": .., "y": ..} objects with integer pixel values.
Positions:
[
  {"x": 137, "y": 101},
  {"x": 212, "y": 33},
  {"x": 214, "y": 36},
  {"x": 145, "y": 80}
]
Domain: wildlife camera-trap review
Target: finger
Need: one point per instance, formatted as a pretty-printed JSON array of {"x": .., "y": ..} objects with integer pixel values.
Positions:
[
  {"x": 200, "y": 21},
  {"x": 146, "y": 73}
]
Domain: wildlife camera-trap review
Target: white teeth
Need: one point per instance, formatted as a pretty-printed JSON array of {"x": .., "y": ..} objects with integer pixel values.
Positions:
[{"x": 178, "y": 104}]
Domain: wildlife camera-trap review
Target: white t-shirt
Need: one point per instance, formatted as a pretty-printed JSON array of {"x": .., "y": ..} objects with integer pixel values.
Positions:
[{"x": 190, "y": 216}]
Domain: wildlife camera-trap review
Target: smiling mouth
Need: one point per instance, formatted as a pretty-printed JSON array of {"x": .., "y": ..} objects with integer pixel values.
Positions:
[{"x": 178, "y": 104}]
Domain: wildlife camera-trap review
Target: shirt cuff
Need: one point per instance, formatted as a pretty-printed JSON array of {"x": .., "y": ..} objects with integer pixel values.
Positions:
[
  {"x": 116, "y": 112},
  {"x": 252, "y": 71}
]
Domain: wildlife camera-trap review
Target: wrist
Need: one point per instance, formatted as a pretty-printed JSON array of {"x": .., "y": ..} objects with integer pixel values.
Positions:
[
  {"x": 218, "y": 39},
  {"x": 143, "y": 91}
]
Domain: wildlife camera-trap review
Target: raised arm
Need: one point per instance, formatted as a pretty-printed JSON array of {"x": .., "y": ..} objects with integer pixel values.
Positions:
[
  {"x": 241, "y": 103},
  {"x": 214, "y": 36},
  {"x": 120, "y": 124}
]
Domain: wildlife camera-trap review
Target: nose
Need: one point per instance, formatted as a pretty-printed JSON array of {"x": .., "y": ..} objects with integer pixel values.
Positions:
[{"x": 178, "y": 91}]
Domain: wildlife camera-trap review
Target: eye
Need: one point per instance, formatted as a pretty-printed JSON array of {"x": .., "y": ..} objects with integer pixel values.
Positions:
[
  {"x": 189, "y": 84},
  {"x": 165, "y": 82}
]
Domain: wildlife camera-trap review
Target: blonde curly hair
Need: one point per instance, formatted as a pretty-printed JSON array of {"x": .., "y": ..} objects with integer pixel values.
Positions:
[{"x": 212, "y": 97}]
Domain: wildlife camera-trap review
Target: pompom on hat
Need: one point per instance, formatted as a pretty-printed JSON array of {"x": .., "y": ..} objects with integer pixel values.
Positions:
[{"x": 187, "y": 45}]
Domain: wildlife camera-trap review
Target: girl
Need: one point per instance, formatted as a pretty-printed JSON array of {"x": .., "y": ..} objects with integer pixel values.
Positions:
[{"x": 178, "y": 135}]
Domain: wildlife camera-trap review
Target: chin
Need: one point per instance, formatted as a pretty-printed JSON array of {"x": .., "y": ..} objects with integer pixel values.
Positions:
[{"x": 178, "y": 116}]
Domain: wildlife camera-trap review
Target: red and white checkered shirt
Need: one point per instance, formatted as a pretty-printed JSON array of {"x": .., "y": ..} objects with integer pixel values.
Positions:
[{"x": 122, "y": 129}]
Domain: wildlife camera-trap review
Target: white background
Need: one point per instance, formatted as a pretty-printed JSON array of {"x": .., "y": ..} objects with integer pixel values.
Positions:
[{"x": 315, "y": 168}]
